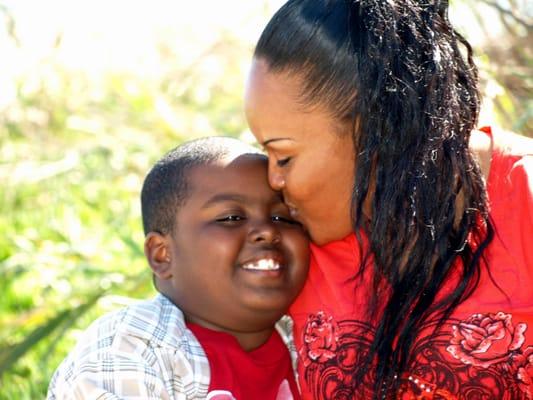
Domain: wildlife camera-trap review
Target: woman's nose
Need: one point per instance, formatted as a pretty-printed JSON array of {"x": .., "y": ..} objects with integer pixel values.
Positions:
[
  {"x": 265, "y": 232},
  {"x": 276, "y": 180}
]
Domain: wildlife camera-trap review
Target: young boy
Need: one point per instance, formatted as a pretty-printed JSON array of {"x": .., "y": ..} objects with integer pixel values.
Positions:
[{"x": 227, "y": 261}]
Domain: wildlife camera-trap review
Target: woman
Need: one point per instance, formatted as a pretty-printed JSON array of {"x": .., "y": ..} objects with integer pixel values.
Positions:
[{"x": 417, "y": 288}]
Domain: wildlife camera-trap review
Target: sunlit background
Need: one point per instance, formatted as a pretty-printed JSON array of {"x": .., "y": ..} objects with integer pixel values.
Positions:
[{"x": 91, "y": 94}]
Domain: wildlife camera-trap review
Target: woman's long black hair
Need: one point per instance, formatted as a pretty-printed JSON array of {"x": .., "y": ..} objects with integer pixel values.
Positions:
[{"x": 404, "y": 79}]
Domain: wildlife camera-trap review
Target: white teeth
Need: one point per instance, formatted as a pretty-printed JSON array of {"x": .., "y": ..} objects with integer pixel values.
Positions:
[{"x": 263, "y": 265}]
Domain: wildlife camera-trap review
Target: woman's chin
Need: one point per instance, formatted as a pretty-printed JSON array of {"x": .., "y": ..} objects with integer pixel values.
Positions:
[{"x": 321, "y": 235}]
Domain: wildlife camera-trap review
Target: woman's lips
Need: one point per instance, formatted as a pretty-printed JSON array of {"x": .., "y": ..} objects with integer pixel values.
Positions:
[
  {"x": 292, "y": 209},
  {"x": 295, "y": 215},
  {"x": 293, "y": 212}
]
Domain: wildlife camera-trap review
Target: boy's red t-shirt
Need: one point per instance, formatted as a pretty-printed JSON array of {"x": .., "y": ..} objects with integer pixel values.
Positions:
[
  {"x": 264, "y": 373},
  {"x": 483, "y": 351}
]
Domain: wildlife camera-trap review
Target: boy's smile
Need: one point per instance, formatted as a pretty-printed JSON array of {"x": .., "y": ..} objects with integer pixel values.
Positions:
[
  {"x": 236, "y": 259},
  {"x": 264, "y": 264}
]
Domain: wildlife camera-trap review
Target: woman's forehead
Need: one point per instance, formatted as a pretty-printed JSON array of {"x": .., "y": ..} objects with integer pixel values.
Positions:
[
  {"x": 274, "y": 109},
  {"x": 265, "y": 87}
]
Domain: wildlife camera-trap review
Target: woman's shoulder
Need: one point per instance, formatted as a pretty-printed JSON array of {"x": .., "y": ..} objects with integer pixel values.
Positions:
[
  {"x": 510, "y": 195},
  {"x": 481, "y": 145},
  {"x": 495, "y": 148}
]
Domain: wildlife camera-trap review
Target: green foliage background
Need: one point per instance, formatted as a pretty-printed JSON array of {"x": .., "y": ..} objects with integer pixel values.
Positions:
[{"x": 73, "y": 153}]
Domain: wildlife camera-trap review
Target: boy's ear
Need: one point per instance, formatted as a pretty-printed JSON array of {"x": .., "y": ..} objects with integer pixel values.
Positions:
[{"x": 157, "y": 252}]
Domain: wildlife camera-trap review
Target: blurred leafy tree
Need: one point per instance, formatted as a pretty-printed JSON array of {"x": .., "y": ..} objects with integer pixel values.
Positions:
[
  {"x": 74, "y": 149},
  {"x": 504, "y": 29}
]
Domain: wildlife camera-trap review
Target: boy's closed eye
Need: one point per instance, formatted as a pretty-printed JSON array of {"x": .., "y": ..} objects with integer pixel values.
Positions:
[
  {"x": 231, "y": 218},
  {"x": 284, "y": 219}
]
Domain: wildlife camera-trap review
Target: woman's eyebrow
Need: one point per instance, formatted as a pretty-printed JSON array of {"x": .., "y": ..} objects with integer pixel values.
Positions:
[{"x": 267, "y": 142}]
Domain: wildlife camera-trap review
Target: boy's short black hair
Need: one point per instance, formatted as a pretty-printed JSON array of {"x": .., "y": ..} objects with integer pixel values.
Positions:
[{"x": 166, "y": 186}]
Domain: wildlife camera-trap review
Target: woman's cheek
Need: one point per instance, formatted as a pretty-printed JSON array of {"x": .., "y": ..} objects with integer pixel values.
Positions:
[{"x": 304, "y": 185}]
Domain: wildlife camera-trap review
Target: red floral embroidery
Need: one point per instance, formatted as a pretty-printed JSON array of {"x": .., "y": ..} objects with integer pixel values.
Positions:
[
  {"x": 320, "y": 340},
  {"x": 483, "y": 357},
  {"x": 525, "y": 374},
  {"x": 486, "y": 339}
]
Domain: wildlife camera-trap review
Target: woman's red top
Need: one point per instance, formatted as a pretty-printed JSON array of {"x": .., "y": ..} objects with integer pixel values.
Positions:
[{"x": 483, "y": 351}]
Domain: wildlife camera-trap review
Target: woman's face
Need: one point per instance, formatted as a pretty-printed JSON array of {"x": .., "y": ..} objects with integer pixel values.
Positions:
[{"x": 310, "y": 158}]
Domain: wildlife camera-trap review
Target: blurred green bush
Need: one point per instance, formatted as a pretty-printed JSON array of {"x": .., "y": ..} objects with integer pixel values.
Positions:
[{"x": 74, "y": 151}]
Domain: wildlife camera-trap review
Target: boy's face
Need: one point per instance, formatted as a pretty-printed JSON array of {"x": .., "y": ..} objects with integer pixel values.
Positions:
[{"x": 236, "y": 258}]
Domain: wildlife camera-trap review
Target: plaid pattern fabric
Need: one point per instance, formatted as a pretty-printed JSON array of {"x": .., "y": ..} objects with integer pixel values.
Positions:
[{"x": 143, "y": 351}]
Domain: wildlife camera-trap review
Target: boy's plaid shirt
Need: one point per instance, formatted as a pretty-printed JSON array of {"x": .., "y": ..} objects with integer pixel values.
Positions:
[{"x": 143, "y": 351}]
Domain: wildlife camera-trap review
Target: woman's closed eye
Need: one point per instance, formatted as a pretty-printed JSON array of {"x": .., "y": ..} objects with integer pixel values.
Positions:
[{"x": 283, "y": 161}]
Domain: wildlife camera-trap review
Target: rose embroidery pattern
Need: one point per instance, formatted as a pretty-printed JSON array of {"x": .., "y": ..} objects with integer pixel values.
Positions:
[
  {"x": 320, "y": 338},
  {"x": 481, "y": 357},
  {"x": 525, "y": 373},
  {"x": 486, "y": 339},
  {"x": 492, "y": 340},
  {"x": 331, "y": 352}
]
